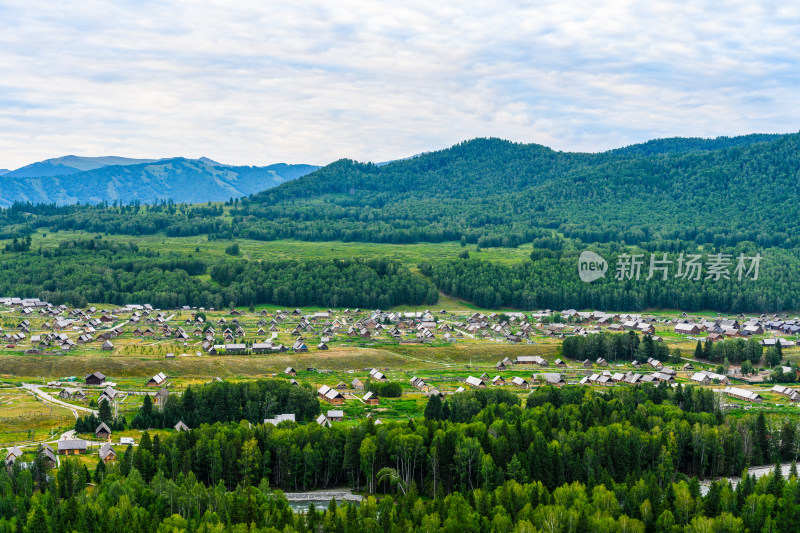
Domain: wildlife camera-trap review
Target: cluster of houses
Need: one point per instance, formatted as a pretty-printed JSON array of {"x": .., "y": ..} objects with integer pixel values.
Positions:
[
  {"x": 325, "y": 325},
  {"x": 720, "y": 329},
  {"x": 792, "y": 394},
  {"x": 333, "y": 395},
  {"x": 14, "y": 454},
  {"x": 606, "y": 378},
  {"x": 482, "y": 382},
  {"x": 324, "y": 419}
]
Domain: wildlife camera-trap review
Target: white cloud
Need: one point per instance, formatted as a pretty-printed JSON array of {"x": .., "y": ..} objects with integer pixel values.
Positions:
[{"x": 260, "y": 82}]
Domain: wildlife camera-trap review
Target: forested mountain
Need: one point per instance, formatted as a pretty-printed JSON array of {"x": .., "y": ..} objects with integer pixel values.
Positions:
[
  {"x": 675, "y": 145},
  {"x": 505, "y": 193},
  {"x": 71, "y": 179},
  {"x": 734, "y": 196}
]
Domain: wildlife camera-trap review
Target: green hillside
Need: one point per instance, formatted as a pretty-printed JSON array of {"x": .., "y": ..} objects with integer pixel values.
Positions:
[{"x": 734, "y": 196}]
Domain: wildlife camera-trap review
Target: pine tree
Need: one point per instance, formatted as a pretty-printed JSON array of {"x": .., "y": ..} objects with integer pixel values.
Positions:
[
  {"x": 37, "y": 520},
  {"x": 445, "y": 411},
  {"x": 708, "y": 349},
  {"x": 127, "y": 461},
  {"x": 147, "y": 407},
  {"x": 105, "y": 412},
  {"x": 433, "y": 410},
  {"x": 761, "y": 451},
  {"x": 698, "y": 350},
  {"x": 99, "y": 471}
]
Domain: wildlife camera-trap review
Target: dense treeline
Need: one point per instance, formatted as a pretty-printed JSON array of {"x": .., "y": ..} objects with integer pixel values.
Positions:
[
  {"x": 553, "y": 283},
  {"x": 377, "y": 283},
  {"x": 614, "y": 347},
  {"x": 573, "y": 460},
  {"x": 563, "y": 435},
  {"x": 497, "y": 193},
  {"x": 667, "y": 196},
  {"x": 230, "y": 402},
  {"x": 96, "y": 270}
]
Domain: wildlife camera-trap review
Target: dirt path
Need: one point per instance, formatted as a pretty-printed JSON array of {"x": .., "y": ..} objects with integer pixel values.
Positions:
[{"x": 34, "y": 389}]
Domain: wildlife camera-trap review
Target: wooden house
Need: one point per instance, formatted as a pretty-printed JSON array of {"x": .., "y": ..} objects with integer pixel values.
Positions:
[
  {"x": 96, "y": 378},
  {"x": 107, "y": 453},
  {"x": 71, "y": 447},
  {"x": 371, "y": 399},
  {"x": 103, "y": 432}
]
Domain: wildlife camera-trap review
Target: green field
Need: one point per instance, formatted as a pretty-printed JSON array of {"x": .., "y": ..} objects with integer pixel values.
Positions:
[{"x": 408, "y": 254}]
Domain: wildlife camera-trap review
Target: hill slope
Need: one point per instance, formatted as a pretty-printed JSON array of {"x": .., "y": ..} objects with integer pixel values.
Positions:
[
  {"x": 507, "y": 193},
  {"x": 71, "y": 164},
  {"x": 728, "y": 195},
  {"x": 95, "y": 180}
]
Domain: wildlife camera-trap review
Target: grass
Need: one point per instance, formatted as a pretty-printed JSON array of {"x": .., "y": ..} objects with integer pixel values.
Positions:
[
  {"x": 408, "y": 254},
  {"x": 24, "y": 418}
]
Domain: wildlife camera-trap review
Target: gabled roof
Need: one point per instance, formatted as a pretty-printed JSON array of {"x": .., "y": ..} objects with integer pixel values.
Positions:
[
  {"x": 110, "y": 392},
  {"x": 14, "y": 451},
  {"x": 71, "y": 444},
  {"x": 106, "y": 450},
  {"x": 333, "y": 394},
  {"x": 475, "y": 382}
]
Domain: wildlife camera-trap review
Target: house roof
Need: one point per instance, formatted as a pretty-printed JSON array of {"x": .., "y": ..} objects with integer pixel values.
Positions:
[
  {"x": 333, "y": 394},
  {"x": 48, "y": 453},
  {"x": 14, "y": 451},
  {"x": 110, "y": 392},
  {"x": 742, "y": 393},
  {"x": 475, "y": 382},
  {"x": 106, "y": 450},
  {"x": 71, "y": 444}
]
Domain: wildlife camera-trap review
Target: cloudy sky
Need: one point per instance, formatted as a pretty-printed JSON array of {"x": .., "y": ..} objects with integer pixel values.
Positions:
[{"x": 258, "y": 82}]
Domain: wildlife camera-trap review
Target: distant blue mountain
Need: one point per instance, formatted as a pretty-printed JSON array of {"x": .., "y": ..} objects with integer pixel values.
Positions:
[
  {"x": 71, "y": 164},
  {"x": 72, "y": 179},
  {"x": 4, "y": 171}
]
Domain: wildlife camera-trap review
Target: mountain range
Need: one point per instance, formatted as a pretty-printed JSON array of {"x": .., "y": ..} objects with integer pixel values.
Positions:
[{"x": 73, "y": 179}]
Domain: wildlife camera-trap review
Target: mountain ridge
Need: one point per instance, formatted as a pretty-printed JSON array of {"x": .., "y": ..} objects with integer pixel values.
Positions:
[{"x": 178, "y": 179}]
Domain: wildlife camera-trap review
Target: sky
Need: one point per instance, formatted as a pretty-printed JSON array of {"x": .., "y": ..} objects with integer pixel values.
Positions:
[{"x": 261, "y": 82}]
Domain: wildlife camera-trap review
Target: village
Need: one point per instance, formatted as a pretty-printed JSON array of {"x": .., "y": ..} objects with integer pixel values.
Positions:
[{"x": 152, "y": 352}]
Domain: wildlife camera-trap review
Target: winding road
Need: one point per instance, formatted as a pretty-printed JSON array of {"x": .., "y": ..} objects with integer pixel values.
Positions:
[{"x": 35, "y": 389}]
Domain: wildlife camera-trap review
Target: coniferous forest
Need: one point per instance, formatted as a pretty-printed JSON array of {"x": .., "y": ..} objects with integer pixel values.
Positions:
[
  {"x": 726, "y": 196},
  {"x": 630, "y": 459}
]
